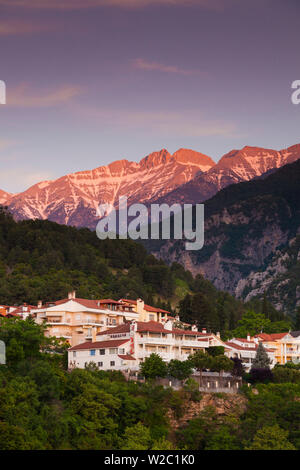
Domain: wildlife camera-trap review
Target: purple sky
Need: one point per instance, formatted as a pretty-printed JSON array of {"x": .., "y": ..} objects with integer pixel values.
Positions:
[{"x": 92, "y": 81}]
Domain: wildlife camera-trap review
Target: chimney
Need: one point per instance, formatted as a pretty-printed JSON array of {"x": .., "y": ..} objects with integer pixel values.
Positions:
[
  {"x": 72, "y": 295},
  {"x": 168, "y": 325},
  {"x": 248, "y": 338},
  {"x": 39, "y": 305},
  {"x": 204, "y": 331},
  {"x": 218, "y": 334},
  {"x": 194, "y": 328},
  {"x": 140, "y": 304}
]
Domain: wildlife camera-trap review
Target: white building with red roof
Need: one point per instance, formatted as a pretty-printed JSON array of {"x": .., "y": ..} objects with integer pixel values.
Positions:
[
  {"x": 245, "y": 349},
  {"x": 136, "y": 341},
  {"x": 74, "y": 319}
]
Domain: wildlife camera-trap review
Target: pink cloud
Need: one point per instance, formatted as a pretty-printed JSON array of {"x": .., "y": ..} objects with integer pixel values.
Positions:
[
  {"x": 16, "y": 27},
  {"x": 152, "y": 66},
  {"x": 22, "y": 97}
]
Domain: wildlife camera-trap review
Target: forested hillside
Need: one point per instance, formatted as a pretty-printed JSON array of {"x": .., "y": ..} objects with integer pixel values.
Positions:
[{"x": 41, "y": 260}]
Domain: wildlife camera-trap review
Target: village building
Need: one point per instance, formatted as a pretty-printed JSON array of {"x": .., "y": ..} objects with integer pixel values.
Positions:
[
  {"x": 74, "y": 319},
  {"x": 127, "y": 346},
  {"x": 286, "y": 345},
  {"x": 245, "y": 349}
]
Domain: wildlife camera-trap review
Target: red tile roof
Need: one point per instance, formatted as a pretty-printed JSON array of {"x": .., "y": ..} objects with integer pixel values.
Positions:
[
  {"x": 126, "y": 357},
  {"x": 148, "y": 308},
  {"x": 239, "y": 347},
  {"x": 271, "y": 337},
  {"x": 99, "y": 344},
  {"x": 88, "y": 303},
  {"x": 153, "y": 327},
  {"x": 142, "y": 327}
]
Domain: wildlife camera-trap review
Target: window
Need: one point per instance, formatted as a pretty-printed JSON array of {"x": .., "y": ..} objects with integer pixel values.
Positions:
[
  {"x": 92, "y": 352},
  {"x": 100, "y": 364},
  {"x": 102, "y": 352},
  {"x": 113, "y": 350},
  {"x": 78, "y": 317},
  {"x": 122, "y": 351},
  {"x": 112, "y": 363},
  {"x": 74, "y": 353}
]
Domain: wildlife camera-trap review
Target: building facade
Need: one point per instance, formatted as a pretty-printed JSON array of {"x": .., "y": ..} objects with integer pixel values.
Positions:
[
  {"x": 77, "y": 320},
  {"x": 245, "y": 349},
  {"x": 128, "y": 345}
]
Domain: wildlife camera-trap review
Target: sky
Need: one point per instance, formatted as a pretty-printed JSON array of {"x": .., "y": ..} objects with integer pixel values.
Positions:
[{"x": 93, "y": 81}]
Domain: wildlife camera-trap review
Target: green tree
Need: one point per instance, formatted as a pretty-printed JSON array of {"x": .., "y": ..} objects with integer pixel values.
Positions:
[
  {"x": 261, "y": 360},
  {"x": 199, "y": 361},
  {"x": 180, "y": 370},
  {"x": 136, "y": 437},
  {"x": 153, "y": 367},
  {"x": 222, "y": 364},
  {"x": 251, "y": 324},
  {"x": 216, "y": 350},
  {"x": 271, "y": 438}
]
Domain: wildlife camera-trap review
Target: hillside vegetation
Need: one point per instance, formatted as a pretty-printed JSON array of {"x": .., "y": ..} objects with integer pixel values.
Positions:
[
  {"x": 42, "y": 260},
  {"x": 42, "y": 406}
]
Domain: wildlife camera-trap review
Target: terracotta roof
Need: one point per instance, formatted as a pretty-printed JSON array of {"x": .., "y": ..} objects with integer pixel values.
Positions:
[
  {"x": 127, "y": 357},
  {"x": 152, "y": 327},
  {"x": 88, "y": 303},
  {"x": 21, "y": 307},
  {"x": 148, "y": 308},
  {"x": 239, "y": 347},
  {"x": 142, "y": 327},
  {"x": 99, "y": 344},
  {"x": 270, "y": 337}
]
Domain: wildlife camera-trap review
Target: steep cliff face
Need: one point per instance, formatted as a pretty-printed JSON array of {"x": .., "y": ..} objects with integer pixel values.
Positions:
[
  {"x": 245, "y": 224},
  {"x": 279, "y": 279},
  {"x": 228, "y": 405}
]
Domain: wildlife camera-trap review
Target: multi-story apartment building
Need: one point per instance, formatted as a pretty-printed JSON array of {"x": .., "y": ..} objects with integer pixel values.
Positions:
[
  {"x": 74, "y": 319},
  {"x": 286, "y": 345},
  {"x": 245, "y": 349},
  {"x": 126, "y": 346}
]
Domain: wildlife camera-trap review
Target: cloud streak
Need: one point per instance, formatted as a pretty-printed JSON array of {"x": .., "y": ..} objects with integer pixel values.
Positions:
[
  {"x": 156, "y": 66},
  {"x": 24, "y": 98},
  {"x": 81, "y": 4},
  {"x": 19, "y": 27}
]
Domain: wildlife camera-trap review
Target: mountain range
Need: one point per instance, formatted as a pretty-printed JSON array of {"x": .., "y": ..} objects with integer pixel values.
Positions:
[
  {"x": 186, "y": 176},
  {"x": 73, "y": 199}
]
